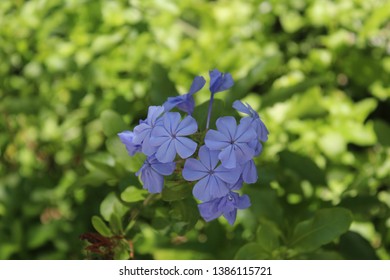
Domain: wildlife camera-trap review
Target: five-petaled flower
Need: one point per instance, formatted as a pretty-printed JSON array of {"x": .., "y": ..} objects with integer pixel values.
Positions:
[
  {"x": 169, "y": 138},
  {"x": 185, "y": 102},
  {"x": 232, "y": 141},
  {"x": 152, "y": 173},
  {"x": 214, "y": 181}
]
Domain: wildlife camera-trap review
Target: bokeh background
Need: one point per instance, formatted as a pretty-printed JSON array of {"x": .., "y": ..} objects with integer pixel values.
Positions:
[{"x": 75, "y": 72}]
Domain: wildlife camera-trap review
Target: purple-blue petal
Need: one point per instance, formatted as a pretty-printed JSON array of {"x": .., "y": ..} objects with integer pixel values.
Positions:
[
  {"x": 166, "y": 152},
  {"x": 127, "y": 138},
  {"x": 194, "y": 170},
  {"x": 209, "y": 210},
  {"x": 197, "y": 84},
  {"x": 228, "y": 175},
  {"x": 239, "y": 106},
  {"x": 243, "y": 202},
  {"x": 187, "y": 126},
  {"x": 209, "y": 187},
  {"x": 231, "y": 216},
  {"x": 187, "y": 105},
  {"x": 220, "y": 81},
  {"x": 228, "y": 157},
  {"x": 243, "y": 153},
  {"x": 208, "y": 157},
  {"x": 152, "y": 181},
  {"x": 173, "y": 102},
  {"x": 249, "y": 172},
  {"x": 227, "y": 126},
  {"x": 164, "y": 168},
  {"x": 215, "y": 140},
  {"x": 185, "y": 147}
]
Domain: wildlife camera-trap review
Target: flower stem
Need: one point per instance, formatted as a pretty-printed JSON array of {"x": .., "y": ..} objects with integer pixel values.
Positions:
[{"x": 209, "y": 111}]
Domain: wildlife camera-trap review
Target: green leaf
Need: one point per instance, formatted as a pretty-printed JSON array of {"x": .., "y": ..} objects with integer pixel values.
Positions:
[
  {"x": 122, "y": 250},
  {"x": 258, "y": 74},
  {"x": 251, "y": 251},
  {"x": 353, "y": 246},
  {"x": 267, "y": 236},
  {"x": 323, "y": 228},
  {"x": 101, "y": 226},
  {"x": 161, "y": 86},
  {"x": 382, "y": 130},
  {"x": 111, "y": 204},
  {"x": 176, "y": 192},
  {"x": 282, "y": 94},
  {"x": 133, "y": 194},
  {"x": 303, "y": 166},
  {"x": 112, "y": 123},
  {"x": 116, "y": 224},
  {"x": 186, "y": 214}
]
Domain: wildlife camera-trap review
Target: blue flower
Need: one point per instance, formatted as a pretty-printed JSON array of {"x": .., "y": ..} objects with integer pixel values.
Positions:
[
  {"x": 226, "y": 206},
  {"x": 232, "y": 141},
  {"x": 220, "y": 81},
  {"x": 253, "y": 118},
  {"x": 185, "y": 102},
  {"x": 127, "y": 138},
  {"x": 169, "y": 138},
  {"x": 153, "y": 172},
  {"x": 142, "y": 132},
  {"x": 213, "y": 181}
]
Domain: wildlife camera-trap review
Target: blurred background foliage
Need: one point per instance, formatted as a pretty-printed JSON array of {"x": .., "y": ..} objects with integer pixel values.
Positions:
[{"x": 73, "y": 73}]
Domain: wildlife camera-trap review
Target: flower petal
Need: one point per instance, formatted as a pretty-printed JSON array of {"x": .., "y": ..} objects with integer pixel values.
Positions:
[
  {"x": 172, "y": 102},
  {"x": 152, "y": 181},
  {"x": 164, "y": 168},
  {"x": 249, "y": 172},
  {"x": 227, "y": 175},
  {"x": 215, "y": 140},
  {"x": 147, "y": 148},
  {"x": 127, "y": 138},
  {"x": 166, "y": 152},
  {"x": 209, "y": 187},
  {"x": 228, "y": 157},
  {"x": 154, "y": 112},
  {"x": 171, "y": 121},
  {"x": 158, "y": 136},
  {"x": 243, "y": 202},
  {"x": 227, "y": 126},
  {"x": 243, "y": 153},
  {"x": 197, "y": 84},
  {"x": 194, "y": 170},
  {"x": 187, "y": 105},
  {"x": 231, "y": 216},
  {"x": 209, "y": 211},
  {"x": 239, "y": 106},
  {"x": 245, "y": 133},
  {"x": 187, "y": 126},
  {"x": 140, "y": 132},
  {"x": 185, "y": 147},
  {"x": 208, "y": 157}
]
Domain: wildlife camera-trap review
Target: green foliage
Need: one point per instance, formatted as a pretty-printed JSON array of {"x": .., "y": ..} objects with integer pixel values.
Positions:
[{"x": 75, "y": 73}]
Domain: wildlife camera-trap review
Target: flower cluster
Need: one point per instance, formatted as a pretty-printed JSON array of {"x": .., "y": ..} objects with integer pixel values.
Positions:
[{"x": 224, "y": 160}]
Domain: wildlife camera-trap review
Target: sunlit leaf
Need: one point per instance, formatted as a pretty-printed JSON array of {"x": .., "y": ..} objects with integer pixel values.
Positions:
[{"x": 323, "y": 228}]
